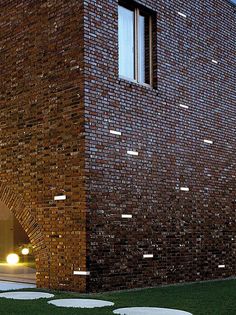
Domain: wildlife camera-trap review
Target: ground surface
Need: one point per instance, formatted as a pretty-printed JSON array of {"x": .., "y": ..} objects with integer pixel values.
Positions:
[
  {"x": 23, "y": 272},
  {"x": 211, "y": 298}
]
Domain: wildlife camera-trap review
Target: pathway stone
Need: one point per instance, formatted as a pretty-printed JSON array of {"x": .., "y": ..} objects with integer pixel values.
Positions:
[
  {"x": 149, "y": 311},
  {"x": 26, "y": 295},
  {"x": 80, "y": 303},
  {"x": 7, "y": 286}
]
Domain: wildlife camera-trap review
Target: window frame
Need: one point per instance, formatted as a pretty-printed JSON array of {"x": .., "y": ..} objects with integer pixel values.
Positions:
[{"x": 137, "y": 12}]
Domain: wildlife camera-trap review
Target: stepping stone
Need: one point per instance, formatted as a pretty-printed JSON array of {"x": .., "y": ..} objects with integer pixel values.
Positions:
[
  {"x": 26, "y": 295},
  {"x": 80, "y": 303},
  {"x": 7, "y": 286},
  {"x": 149, "y": 311}
]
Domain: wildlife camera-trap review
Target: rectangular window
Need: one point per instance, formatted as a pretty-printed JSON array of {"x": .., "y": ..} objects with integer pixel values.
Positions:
[
  {"x": 135, "y": 44},
  {"x": 126, "y": 43}
]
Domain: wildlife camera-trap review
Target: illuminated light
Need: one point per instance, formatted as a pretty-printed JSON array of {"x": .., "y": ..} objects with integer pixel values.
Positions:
[
  {"x": 184, "y": 106},
  {"x": 114, "y": 132},
  {"x": 208, "y": 141},
  {"x": 148, "y": 256},
  {"x": 215, "y": 61},
  {"x": 25, "y": 251},
  {"x": 184, "y": 188},
  {"x": 81, "y": 273},
  {"x": 132, "y": 153},
  {"x": 126, "y": 216},
  {"x": 182, "y": 14},
  {"x": 13, "y": 259},
  {"x": 221, "y": 266},
  {"x": 62, "y": 197}
]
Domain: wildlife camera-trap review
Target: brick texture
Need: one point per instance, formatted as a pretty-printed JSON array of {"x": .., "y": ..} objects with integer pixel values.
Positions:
[
  {"x": 190, "y": 232},
  {"x": 42, "y": 132},
  {"x": 60, "y": 96}
]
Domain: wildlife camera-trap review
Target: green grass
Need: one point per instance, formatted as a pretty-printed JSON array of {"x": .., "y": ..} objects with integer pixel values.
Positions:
[{"x": 209, "y": 298}]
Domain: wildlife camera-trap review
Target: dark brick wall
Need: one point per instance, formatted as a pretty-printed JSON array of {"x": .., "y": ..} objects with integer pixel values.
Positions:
[
  {"x": 60, "y": 95},
  {"x": 190, "y": 233},
  {"x": 42, "y": 132}
]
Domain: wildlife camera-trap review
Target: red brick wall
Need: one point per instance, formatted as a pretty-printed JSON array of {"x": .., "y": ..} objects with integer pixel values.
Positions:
[
  {"x": 42, "y": 132},
  {"x": 189, "y": 233}
]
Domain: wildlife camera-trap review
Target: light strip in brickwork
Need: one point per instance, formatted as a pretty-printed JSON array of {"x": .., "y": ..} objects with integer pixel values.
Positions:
[
  {"x": 62, "y": 197},
  {"x": 81, "y": 273},
  {"x": 182, "y": 14},
  {"x": 184, "y": 188},
  {"x": 126, "y": 216},
  {"x": 221, "y": 266},
  {"x": 183, "y": 106},
  {"x": 114, "y": 132},
  {"x": 148, "y": 256},
  {"x": 132, "y": 153},
  {"x": 208, "y": 141},
  {"x": 215, "y": 61}
]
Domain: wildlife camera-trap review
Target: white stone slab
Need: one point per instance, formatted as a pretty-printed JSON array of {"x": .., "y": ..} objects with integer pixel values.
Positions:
[
  {"x": 7, "y": 286},
  {"x": 149, "y": 311},
  {"x": 80, "y": 303},
  {"x": 26, "y": 295}
]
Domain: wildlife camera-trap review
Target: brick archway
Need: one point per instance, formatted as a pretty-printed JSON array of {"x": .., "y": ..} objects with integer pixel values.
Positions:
[{"x": 32, "y": 229}]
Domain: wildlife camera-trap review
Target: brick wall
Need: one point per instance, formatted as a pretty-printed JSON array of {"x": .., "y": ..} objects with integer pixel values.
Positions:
[
  {"x": 60, "y": 96},
  {"x": 190, "y": 234},
  {"x": 42, "y": 132}
]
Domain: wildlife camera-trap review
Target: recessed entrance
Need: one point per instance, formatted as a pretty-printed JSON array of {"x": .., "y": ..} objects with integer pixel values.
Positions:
[{"x": 17, "y": 261}]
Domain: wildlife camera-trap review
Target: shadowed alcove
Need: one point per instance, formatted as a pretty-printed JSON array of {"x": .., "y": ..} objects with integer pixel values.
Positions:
[{"x": 14, "y": 245}]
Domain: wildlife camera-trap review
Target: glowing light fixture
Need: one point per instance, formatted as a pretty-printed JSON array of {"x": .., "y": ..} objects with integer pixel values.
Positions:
[
  {"x": 13, "y": 259},
  {"x": 25, "y": 251}
]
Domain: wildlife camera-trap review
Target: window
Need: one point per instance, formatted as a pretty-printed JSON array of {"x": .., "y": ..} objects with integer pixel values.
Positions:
[{"x": 135, "y": 44}]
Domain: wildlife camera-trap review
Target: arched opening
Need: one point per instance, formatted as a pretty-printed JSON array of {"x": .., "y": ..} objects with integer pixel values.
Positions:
[{"x": 14, "y": 245}]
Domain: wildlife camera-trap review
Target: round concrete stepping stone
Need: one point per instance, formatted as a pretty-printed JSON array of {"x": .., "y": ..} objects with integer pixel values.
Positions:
[
  {"x": 7, "y": 286},
  {"x": 80, "y": 303},
  {"x": 24, "y": 295},
  {"x": 149, "y": 311}
]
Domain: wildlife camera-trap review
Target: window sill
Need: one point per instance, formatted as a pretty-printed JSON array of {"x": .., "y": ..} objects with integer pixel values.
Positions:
[{"x": 128, "y": 80}]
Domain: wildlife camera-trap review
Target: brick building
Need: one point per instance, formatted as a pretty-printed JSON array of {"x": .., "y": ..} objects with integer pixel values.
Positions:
[{"x": 118, "y": 139}]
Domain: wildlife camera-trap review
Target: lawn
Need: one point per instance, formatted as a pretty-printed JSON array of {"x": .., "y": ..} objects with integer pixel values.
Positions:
[{"x": 209, "y": 298}]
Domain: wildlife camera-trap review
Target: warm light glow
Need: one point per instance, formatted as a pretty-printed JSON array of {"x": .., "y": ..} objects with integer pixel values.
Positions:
[
  {"x": 25, "y": 251},
  {"x": 12, "y": 259}
]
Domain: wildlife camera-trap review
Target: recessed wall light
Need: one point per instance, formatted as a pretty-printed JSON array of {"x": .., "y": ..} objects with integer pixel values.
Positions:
[
  {"x": 81, "y": 273},
  {"x": 208, "y": 141},
  {"x": 182, "y": 14},
  {"x": 62, "y": 197},
  {"x": 114, "y": 132},
  {"x": 184, "y": 188},
  {"x": 184, "y": 106},
  {"x": 148, "y": 256},
  {"x": 126, "y": 216},
  {"x": 221, "y": 266},
  {"x": 132, "y": 153}
]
